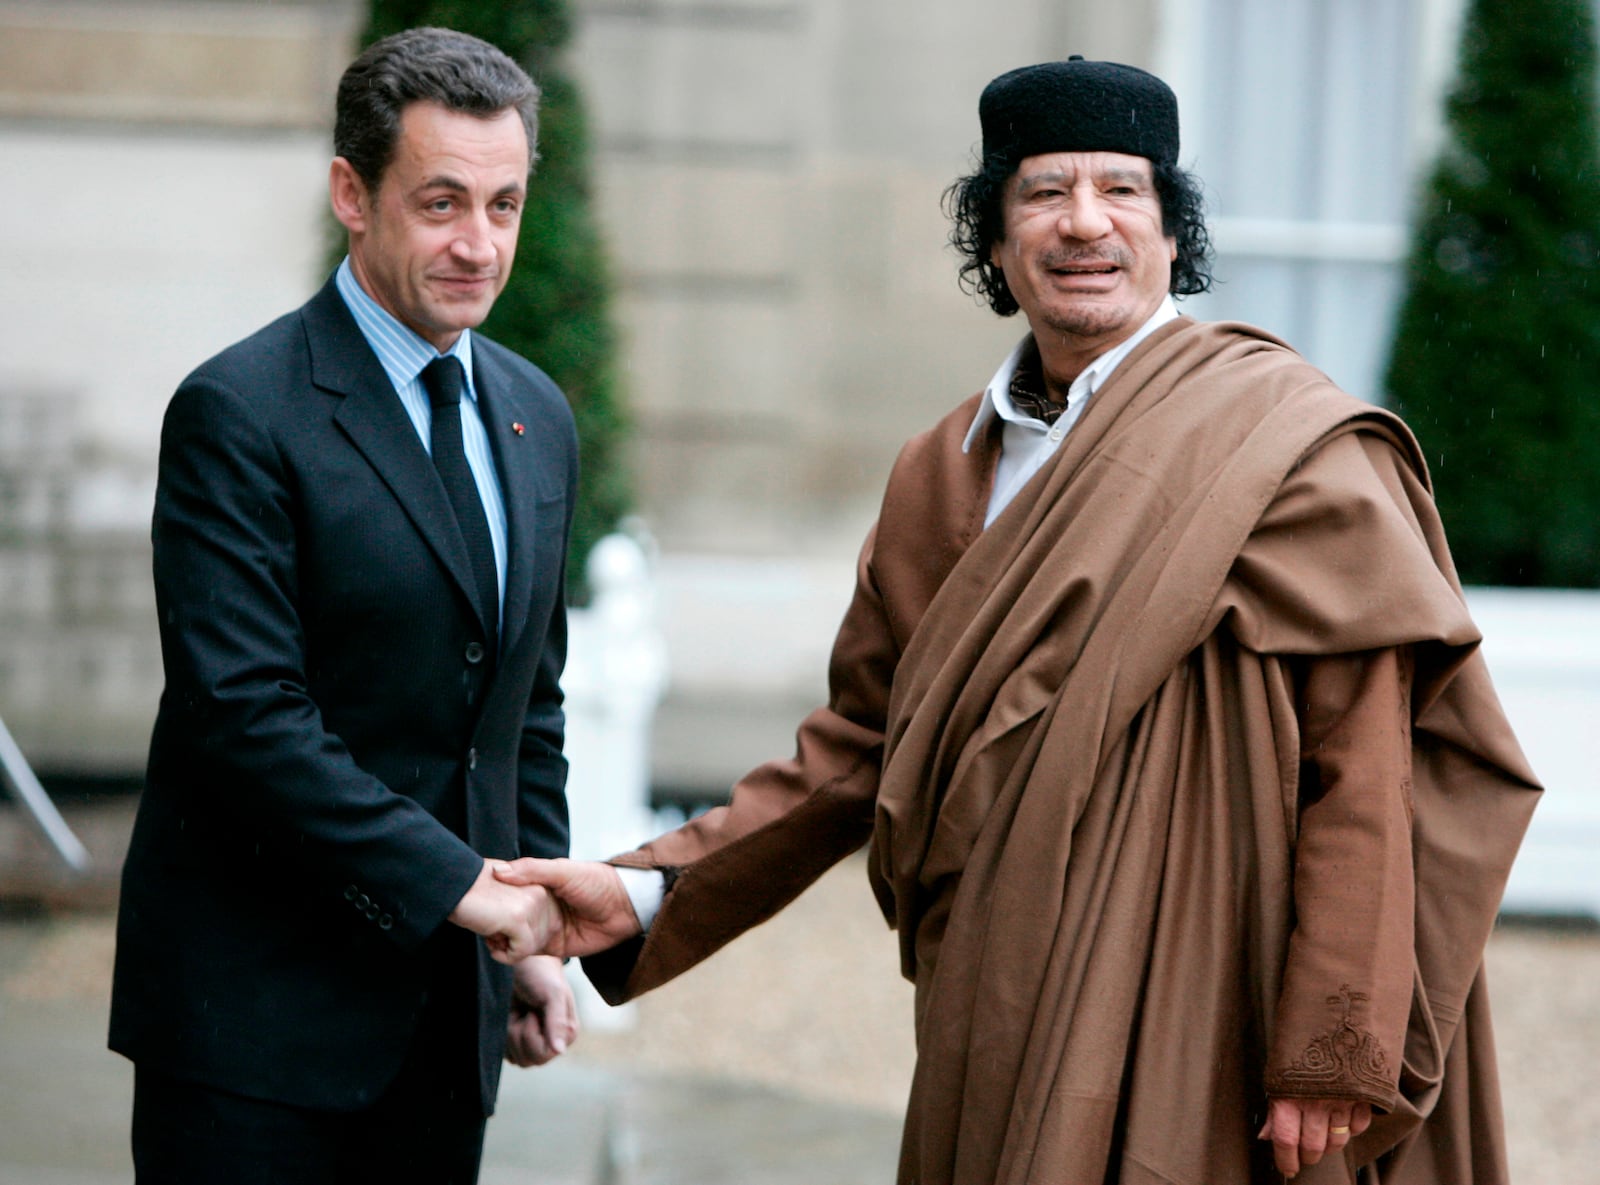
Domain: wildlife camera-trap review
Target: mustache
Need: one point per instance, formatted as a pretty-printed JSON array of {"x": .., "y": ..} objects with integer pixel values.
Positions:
[{"x": 1116, "y": 256}]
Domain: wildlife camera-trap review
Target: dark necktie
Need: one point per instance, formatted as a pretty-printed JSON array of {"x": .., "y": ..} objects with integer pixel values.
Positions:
[{"x": 444, "y": 381}]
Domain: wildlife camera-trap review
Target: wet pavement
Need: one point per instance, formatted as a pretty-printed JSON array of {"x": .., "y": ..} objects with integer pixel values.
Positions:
[{"x": 782, "y": 1061}]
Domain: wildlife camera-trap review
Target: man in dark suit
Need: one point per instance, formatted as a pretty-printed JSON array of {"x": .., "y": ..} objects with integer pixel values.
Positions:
[{"x": 360, "y": 526}]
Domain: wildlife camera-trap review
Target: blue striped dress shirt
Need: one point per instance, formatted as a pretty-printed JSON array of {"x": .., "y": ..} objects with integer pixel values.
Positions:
[{"x": 403, "y": 354}]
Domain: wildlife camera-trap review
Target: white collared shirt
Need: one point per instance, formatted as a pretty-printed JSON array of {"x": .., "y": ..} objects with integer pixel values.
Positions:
[{"x": 1026, "y": 443}]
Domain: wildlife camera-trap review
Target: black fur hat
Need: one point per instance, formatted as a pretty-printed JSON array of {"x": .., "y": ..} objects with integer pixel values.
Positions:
[{"x": 1078, "y": 106}]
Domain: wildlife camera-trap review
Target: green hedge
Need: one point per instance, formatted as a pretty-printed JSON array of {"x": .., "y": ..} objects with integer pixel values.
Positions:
[
  {"x": 1496, "y": 359},
  {"x": 555, "y": 308}
]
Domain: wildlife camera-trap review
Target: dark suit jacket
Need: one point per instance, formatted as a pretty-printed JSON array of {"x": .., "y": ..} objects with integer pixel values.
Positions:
[{"x": 337, "y": 748}]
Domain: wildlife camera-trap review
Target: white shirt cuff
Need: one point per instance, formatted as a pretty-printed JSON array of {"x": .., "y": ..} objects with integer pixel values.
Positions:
[{"x": 645, "y": 888}]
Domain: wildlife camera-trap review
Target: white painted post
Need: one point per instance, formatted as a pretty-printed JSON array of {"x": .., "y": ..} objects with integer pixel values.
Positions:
[{"x": 615, "y": 676}]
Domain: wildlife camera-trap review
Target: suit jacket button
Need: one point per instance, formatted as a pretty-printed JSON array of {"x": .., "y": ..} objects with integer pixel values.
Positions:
[
  {"x": 372, "y": 913},
  {"x": 350, "y": 892},
  {"x": 362, "y": 901},
  {"x": 472, "y": 759},
  {"x": 475, "y": 652},
  {"x": 385, "y": 922}
]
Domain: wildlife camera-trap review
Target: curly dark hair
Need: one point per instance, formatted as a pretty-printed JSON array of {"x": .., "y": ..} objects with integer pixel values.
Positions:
[
  {"x": 457, "y": 71},
  {"x": 974, "y": 204}
]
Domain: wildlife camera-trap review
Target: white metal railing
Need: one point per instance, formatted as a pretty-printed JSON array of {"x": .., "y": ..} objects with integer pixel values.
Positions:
[{"x": 37, "y": 808}]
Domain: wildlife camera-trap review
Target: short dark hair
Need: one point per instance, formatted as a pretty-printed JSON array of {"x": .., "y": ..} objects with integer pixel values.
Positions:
[
  {"x": 976, "y": 207},
  {"x": 457, "y": 71}
]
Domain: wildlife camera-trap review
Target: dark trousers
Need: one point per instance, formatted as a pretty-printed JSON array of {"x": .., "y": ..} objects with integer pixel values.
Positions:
[{"x": 425, "y": 1129}]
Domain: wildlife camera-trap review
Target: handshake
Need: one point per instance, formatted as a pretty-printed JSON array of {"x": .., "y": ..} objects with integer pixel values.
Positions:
[{"x": 547, "y": 907}]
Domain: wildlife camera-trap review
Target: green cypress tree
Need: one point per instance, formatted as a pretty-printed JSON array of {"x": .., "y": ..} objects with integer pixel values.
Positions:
[
  {"x": 1496, "y": 359},
  {"x": 554, "y": 310}
]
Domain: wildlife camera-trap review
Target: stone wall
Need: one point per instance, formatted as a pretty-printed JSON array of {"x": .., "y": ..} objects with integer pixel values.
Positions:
[{"x": 770, "y": 175}]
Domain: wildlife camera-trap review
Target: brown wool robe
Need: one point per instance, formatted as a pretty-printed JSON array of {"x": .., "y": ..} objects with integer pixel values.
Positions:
[{"x": 1185, "y": 783}]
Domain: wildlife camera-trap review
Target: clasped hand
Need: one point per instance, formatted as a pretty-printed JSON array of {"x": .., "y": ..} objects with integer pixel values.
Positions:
[
  {"x": 513, "y": 922},
  {"x": 591, "y": 910},
  {"x": 553, "y": 907}
]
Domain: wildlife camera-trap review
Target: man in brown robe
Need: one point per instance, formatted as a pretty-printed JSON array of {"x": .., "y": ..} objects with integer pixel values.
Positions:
[{"x": 1160, "y": 706}]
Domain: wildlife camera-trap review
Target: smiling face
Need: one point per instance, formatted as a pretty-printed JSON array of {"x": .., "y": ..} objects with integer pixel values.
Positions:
[
  {"x": 433, "y": 243},
  {"x": 1084, "y": 252}
]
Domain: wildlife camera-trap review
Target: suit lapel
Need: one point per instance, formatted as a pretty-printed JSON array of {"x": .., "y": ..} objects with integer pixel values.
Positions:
[
  {"x": 515, "y": 458},
  {"x": 371, "y": 415}
]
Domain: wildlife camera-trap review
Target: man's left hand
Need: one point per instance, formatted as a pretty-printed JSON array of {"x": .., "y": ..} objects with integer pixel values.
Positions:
[
  {"x": 1303, "y": 1130},
  {"x": 544, "y": 1015}
]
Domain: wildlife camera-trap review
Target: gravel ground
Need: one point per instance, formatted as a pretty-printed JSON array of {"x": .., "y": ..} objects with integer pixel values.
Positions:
[
  {"x": 1545, "y": 988},
  {"x": 813, "y": 1003}
]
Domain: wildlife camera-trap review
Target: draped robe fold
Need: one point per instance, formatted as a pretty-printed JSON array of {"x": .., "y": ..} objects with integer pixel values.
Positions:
[{"x": 1075, "y": 735}]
